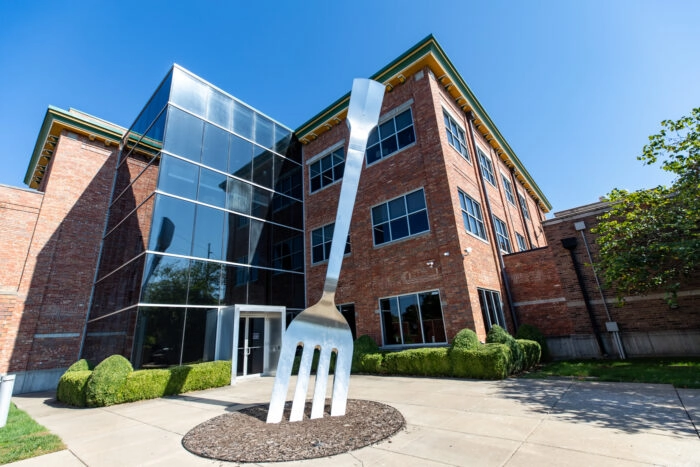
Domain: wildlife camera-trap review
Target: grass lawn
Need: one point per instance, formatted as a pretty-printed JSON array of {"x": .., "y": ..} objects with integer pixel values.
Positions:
[
  {"x": 680, "y": 372},
  {"x": 22, "y": 438}
]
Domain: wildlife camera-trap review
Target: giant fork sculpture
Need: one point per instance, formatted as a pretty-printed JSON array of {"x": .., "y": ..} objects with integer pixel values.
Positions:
[{"x": 322, "y": 326}]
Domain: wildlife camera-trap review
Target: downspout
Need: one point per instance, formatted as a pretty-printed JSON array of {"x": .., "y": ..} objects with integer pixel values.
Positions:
[
  {"x": 504, "y": 275},
  {"x": 610, "y": 325},
  {"x": 570, "y": 244}
]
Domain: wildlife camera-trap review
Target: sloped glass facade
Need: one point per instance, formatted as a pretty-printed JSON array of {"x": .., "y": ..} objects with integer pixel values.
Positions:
[{"x": 206, "y": 212}]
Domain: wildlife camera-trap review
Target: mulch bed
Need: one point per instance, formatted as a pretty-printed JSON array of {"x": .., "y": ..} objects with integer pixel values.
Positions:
[{"x": 244, "y": 436}]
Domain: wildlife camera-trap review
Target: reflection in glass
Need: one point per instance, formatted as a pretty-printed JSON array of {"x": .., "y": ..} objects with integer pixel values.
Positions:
[
  {"x": 174, "y": 235},
  {"x": 390, "y": 321},
  {"x": 410, "y": 320},
  {"x": 178, "y": 177},
  {"x": 159, "y": 337},
  {"x": 220, "y": 109},
  {"x": 240, "y": 158},
  {"x": 183, "y": 135},
  {"x": 208, "y": 233},
  {"x": 205, "y": 283},
  {"x": 197, "y": 345},
  {"x": 166, "y": 280},
  {"x": 215, "y": 147},
  {"x": 264, "y": 131},
  {"x": 111, "y": 335},
  {"x": 189, "y": 92},
  {"x": 263, "y": 167},
  {"x": 261, "y": 202},
  {"x": 282, "y": 139},
  {"x": 152, "y": 109},
  {"x": 431, "y": 313},
  {"x": 243, "y": 118},
  {"x": 235, "y": 284},
  {"x": 260, "y": 243},
  {"x": 238, "y": 196},
  {"x": 212, "y": 188}
]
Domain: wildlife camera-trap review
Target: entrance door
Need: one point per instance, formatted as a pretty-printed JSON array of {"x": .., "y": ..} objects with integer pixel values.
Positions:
[{"x": 251, "y": 346}]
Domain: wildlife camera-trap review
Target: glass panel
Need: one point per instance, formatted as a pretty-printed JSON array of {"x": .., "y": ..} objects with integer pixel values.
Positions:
[
  {"x": 389, "y": 145},
  {"x": 243, "y": 120},
  {"x": 240, "y": 158},
  {"x": 431, "y": 313},
  {"x": 410, "y": 320},
  {"x": 418, "y": 222},
  {"x": 208, "y": 233},
  {"x": 205, "y": 283},
  {"x": 237, "y": 238},
  {"x": 165, "y": 280},
  {"x": 159, "y": 340},
  {"x": 379, "y": 214},
  {"x": 183, "y": 135},
  {"x": 260, "y": 243},
  {"x": 235, "y": 281},
  {"x": 153, "y": 108},
  {"x": 196, "y": 340},
  {"x": 261, "y": 202},
  {"x": 212, "y": 188},
  {"x": 390, "y": 321},
  {"x": 387, "y": 128},
  {"x": 373, "y": 154},
  {"x": 399, "y": 228},
  {"x": 397, "y": 208},
  {"x": 415, "y": 201},
  {"x": 406, "y": 137},
  {"x": 173, "y": 219},
  {"x": 178, "y": 177},
  {"x": 403, "y": 120},
  {"x": 220, "y": 109},
  {"x": 259, "y": 288},
  {"x": 263, "y": 168},
  {"x": 264, "y": 132},
  {"x": 215, "y": 148},
  {"x": 286, "y": 289},
  {"x": 189, "y": 93},
  {"x": 381, "y": 234},
  {"x": 282, "y": 139},
  {"x": 238, "y": 195}
]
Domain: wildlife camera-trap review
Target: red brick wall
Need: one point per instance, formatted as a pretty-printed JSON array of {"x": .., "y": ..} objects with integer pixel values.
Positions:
[
  {"x": 19, "y": 210},
  {"x": 401, "y": 267},
  {"x": 61, "y": 261},
  {"x": 548, "y": 295}
]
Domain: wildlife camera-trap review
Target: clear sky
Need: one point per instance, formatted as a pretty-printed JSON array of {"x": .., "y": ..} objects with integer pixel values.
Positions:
[{"x": 576, "y": 87}]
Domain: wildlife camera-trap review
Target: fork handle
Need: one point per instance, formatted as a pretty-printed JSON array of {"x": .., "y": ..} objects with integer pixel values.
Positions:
[{"x": 348, "y": 191}]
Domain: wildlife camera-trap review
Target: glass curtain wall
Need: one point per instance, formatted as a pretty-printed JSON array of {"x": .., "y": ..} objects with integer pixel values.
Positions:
[{"x": 210, "y": 216}]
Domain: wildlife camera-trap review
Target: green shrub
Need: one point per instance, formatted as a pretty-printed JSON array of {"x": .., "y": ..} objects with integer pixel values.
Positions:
[
  {"x": 81, "y": 365},
  {"x": 362, "y": 347},
  {"x": 369, "y": 363},
  {"x": 72, "y": 387},
  {"x": 466, "y": 339},
  {"x": 530, "y": 332},
  {"x": 498, "y": 335},
  {"x": 105, "y": 384},
  {"x": 145, "y": 384},
  {"x": 490, "y": 361},
  {"x": 431, "y": 361},
  {"x": 314, "y": 362},
  {"x": 206, "y": 375},
  {"x": 531, "y": 352}
]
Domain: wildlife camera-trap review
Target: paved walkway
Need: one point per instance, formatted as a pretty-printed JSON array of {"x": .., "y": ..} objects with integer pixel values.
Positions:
[{"x": 450, "y": 422}]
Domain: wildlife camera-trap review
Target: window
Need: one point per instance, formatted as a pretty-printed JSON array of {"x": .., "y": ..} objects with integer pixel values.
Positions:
[
  {"x": 289, "y": 254},
  {"x": 327, "y": 170},
  {"x": 321, "y": 239},
  {"x": 412, "y": 319},
  {"x": 523, "y": 206},
  {"x": 486, "y": 167},
  {"x": 455, "y": 135},
  {"x": 401, "y": 217},
  {"x": 390, "y": 136},
  {"x": 348, "y": 312},
  {"x": 471, "y": 214},
  {"x": 491, "y": 308},
  {"x": 522, "y": 246},
  {"x": 502, "y": 235},
  {"x": 508, "y": 188}
]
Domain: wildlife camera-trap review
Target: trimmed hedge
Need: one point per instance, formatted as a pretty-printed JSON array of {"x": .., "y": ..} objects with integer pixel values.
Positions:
[
  {"x": 81, "y": 365},
  {"x": 531, "y": 352},
  {"x": 490, "y": 361},
  {"x": 110, "y": 384},
  {"x": 72, "y": 387},
  {"x": 105, "y": 383},
  {"x": 530, "y": 332},
  {"x": 466, "y": 339},
  {"x": 498, "y": 335},
  {"x": 431, "y": 361}
]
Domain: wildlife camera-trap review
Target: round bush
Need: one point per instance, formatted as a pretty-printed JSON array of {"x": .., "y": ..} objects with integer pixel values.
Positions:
[
  {"x": 466, "y": 339},
  {"x": 81, "y": 365},
  {"x": 105, "y": 384},
  {"x": 364, "y": 345},
  {"x": 72, "y": 387},
  {"x": 530, "y": 332},
  {"x": 498, "y": 335}
]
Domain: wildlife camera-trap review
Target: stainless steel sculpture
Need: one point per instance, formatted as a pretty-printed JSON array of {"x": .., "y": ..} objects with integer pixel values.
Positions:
[{"x": 322, "y": 326}]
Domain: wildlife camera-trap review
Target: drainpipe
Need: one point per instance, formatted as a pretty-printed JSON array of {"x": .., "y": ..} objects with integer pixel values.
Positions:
[
  {"x": 610, "y": 325},
  {"x": 504, "y": 275},
  {"x": 570, "y": 244}
]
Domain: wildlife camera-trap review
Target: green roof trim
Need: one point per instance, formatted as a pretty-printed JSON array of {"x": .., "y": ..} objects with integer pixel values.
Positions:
[
  {"x": 75, "y": 120},
  {"x": 430, "y": 46}
]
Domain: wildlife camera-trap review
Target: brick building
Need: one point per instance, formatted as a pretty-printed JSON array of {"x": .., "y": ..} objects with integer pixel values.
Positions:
[
  {"x": 557, "y": 290},
  {"x": 185, "y": 237}
]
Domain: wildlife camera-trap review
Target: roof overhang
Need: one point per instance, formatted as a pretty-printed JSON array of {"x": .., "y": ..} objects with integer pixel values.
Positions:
[
  {"x": 57, "y": 120},
  {"x": 428, "y": 53}
]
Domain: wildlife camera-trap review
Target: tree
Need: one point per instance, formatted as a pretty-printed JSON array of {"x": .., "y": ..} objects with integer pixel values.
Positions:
[{"x": 650, "y": 239}]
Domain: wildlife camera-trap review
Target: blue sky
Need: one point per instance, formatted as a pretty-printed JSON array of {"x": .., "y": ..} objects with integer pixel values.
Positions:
[{"x": 576, "y": 87}]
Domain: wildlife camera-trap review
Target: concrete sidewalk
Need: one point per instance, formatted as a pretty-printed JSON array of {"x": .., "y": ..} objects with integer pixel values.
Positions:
[{"x": 514, "y": 422}]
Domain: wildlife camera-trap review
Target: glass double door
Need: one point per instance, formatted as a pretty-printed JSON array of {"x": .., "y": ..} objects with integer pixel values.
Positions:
[{"x": 251, "y": 346}]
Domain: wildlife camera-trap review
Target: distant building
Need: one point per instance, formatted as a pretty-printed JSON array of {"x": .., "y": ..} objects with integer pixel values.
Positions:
[{"x": 204, "y": 227}]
